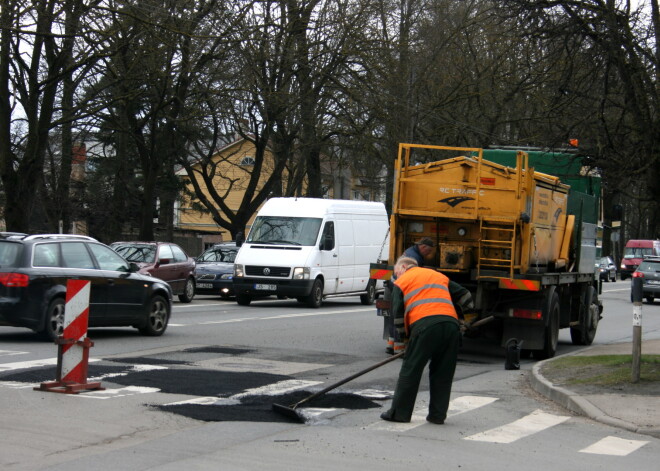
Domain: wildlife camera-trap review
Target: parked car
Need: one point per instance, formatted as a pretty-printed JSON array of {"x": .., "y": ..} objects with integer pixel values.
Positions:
[
  {"x": 649, "y": 272},
  {"x": 34, "y": 271},
  {"x": 163, "y": 260},
  {"x": 606, "y": 269},
  {"x": 215, "y": 270}
]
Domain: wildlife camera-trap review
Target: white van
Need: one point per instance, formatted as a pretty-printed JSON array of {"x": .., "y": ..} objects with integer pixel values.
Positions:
[{"x": 309, "y": 249}]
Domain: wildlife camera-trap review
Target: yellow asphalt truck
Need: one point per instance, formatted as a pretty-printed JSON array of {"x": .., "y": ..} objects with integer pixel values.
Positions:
[{"x": 518, "y": 228}]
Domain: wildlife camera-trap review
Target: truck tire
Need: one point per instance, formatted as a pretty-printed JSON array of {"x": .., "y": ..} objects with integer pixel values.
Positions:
[
  {"x": 551, "y": 333},
  {"x": 243, "y": 299},
  {"x": 585, "y": 332},
  {"x": 315, "y": 298},
  {"x": 369, "y": 297}
]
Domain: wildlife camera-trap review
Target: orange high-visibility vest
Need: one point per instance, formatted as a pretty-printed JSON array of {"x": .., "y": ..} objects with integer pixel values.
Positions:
[{"x": 425, "y": 293}]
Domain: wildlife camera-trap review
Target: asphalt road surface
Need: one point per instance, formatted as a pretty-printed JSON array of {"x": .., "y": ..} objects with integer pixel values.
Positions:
[{"x": 200, "y": 397}]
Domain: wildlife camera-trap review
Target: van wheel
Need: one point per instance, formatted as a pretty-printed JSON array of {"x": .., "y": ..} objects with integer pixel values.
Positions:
[
  {"x": 243, "y": 299},
  {"x": 369, "y": 297},
  {"x": 188, "y": 292},
  {"x": 54, "y": 325},
  {"x": 315, "y": 298}
]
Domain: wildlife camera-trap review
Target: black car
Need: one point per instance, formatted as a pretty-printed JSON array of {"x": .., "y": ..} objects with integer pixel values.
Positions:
[
  {"x": 33, "y": 275},
  {"x": 215, "y": 270},
  {"x": 649, "y": 272}
]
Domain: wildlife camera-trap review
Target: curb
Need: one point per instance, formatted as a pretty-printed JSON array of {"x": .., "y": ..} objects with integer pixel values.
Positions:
[{"x": 576, "y": 403}]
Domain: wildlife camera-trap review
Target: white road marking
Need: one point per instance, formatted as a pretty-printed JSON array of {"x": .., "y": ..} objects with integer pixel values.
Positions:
[
  {"x": 281, "y": 387},
  {"x": 457, "y": 406},
  {"x": 118, "y": 392},
  {"x": 19, "y": 365},
  {"x": 283, "y": 316},
  {"x": 614, "y": 446},
  {"x": 9, "y": 353},
  {"x": 533, "y": 423}
]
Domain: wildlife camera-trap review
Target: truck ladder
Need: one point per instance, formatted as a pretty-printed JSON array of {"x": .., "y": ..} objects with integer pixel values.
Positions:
[{"x": 497, "y": 245}]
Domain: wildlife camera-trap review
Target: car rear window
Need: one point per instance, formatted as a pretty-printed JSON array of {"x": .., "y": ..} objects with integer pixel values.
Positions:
[
  {"x": 9, "y": 253},
  {"x": 649, "y": 266}
]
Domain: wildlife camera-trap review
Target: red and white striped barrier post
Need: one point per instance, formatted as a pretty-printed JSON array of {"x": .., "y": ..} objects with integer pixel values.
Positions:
[{"x": 73, "y": 344}]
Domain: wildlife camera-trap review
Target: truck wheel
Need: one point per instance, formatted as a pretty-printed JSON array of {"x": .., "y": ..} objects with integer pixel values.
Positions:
[
  {"x": 315, "y": 298},
  {"x": 243, "y": 299},
  {"x": 188, "y": 292},
  {"x": 369, "y": 297},
  {"x": 585, "y": 332},
  {"x": 54, "y": 324},
  {"x": 551, "y": 334}
]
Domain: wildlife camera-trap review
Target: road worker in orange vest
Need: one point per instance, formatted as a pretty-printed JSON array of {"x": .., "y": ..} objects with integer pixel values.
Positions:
[{"x": 422, "y": 307}]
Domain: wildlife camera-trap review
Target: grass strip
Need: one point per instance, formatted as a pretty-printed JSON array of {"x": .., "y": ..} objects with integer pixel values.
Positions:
[{"x": 604, "y": 370}]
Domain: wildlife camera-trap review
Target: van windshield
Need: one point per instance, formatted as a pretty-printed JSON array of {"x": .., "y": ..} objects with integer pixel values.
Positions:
[
  {"x": 637, "y": 252},
  {"x": 284, "y": 230}
]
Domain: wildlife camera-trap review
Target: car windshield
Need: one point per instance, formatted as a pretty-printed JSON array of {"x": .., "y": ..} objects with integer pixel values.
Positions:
[
  {"x": 649, "y": 266},
  {"x": 284, "y": 230},
  {"x": 139, "y": 253},
  {"x": 9, "y": 253},
  {"x": 637, "y": 252},
  {"x": 218, "y": 255}
]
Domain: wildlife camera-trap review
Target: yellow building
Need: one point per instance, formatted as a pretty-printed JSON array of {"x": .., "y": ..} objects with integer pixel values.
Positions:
[{"x": 232, "y": 167}]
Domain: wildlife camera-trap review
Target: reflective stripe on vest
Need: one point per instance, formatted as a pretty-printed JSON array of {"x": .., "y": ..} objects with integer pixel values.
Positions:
[{"x": 425, "y": 293}]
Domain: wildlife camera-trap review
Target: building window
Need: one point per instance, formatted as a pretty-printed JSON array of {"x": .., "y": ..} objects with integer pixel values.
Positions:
[{"x": 247, "y": 160}]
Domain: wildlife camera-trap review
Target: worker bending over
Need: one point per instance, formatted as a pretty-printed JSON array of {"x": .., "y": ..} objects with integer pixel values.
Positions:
[{"x": 423, "y": 309}]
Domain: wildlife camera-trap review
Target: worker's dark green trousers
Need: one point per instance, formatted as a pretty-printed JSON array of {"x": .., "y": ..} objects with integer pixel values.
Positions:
[{"x": 434, "y": 338}]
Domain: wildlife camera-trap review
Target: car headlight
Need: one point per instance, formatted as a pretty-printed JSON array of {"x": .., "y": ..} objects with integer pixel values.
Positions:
[
  {"x": 238, "y": 271},
  {"x": 226, "y": 276},
  {"x": 301, "y": 273}
]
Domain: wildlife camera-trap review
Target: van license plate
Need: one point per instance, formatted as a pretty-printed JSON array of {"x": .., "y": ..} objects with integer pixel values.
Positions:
[{"x": 261, "y": 287}]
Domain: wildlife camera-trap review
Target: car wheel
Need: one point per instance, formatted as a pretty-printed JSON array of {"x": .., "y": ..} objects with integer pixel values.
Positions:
[
  {"x": 243, "y": 299},
  {"x": 157, "y": 317},
  {"x": 650, "y": 298},
  {"x": 315, "y": 298},
  {"x": 188, "y": 292},
  {"x": 368, "y": 298},
  {"x": 54, "y": 322}
]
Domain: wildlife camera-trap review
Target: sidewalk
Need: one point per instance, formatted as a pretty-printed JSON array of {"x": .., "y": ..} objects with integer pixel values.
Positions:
[{"x": 637, "y": 413}]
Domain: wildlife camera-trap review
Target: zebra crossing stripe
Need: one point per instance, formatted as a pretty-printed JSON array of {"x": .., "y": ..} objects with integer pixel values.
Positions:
[
  {"x": 457, "y": 406},
  {"x": 614, "y": 446},
  {"x": 535, "y": 422}
]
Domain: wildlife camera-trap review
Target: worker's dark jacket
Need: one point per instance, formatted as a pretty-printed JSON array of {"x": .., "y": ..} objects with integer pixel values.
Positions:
[{"x": 422, "y": 292}]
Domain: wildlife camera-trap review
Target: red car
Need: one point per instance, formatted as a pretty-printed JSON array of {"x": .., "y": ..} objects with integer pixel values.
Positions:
[{"x": 163, "y": 260}]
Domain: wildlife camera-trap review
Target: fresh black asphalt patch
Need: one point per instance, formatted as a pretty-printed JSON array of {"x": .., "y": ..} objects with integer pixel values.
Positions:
[
  {"x": 198, "y": 382},
  {"x": 260, "y": 408},
  {"x": 222, "y": 350}
]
